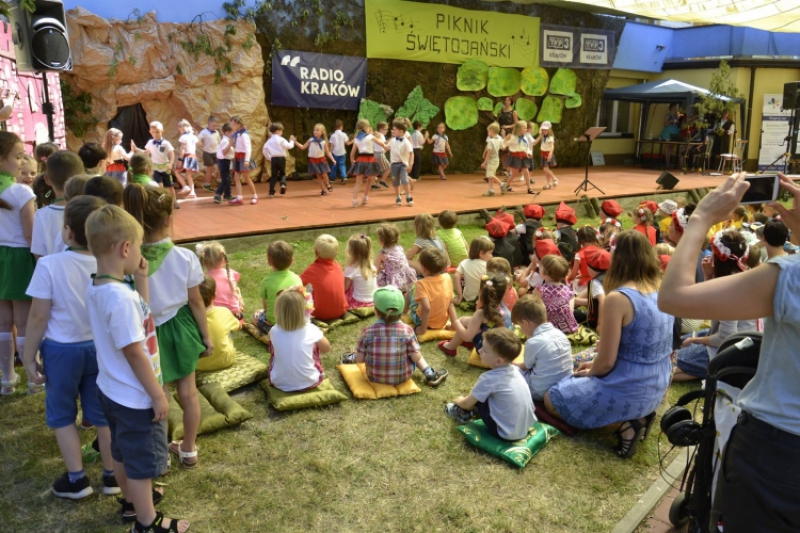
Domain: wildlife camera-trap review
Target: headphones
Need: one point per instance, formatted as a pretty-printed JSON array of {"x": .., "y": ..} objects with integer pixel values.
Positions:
[{"x": 679, "y": 425}]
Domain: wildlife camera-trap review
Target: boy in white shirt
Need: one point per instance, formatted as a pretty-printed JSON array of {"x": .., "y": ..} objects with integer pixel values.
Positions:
[
  {"x": 129, "y": 381},
  {"x": 59, "y": 328},
  {"x": 209, "y": 139},
  {"x": 338, "y": 141},
  {"x": 491, "y": 157},
  {"x": 224, "y": 158},
  {"x": 162, "y": 155},
  {"x": 402, "y": 160},
  {"x": 47, "y": 222},
  {"x": 275, "y": 150}
]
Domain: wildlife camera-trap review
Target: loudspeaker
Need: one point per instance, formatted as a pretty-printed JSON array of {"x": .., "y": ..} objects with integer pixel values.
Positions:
[
  {"x": 40, "y": 36},
  {"x": 791, "y": 95},
  {"x": 667, "y": 181}
]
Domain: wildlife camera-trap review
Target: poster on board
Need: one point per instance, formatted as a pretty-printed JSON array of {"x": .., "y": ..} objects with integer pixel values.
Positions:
[
  {"x": 563, "y": 46},
  {"x": 774, "y": 129},
  {"x": 318, "y": 81}
]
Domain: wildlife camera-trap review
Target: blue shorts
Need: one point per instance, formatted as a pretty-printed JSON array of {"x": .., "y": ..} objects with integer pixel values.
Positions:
[
  {"x": 136, "y": 441},
  {"x": 71, "y": 371},
  {"x": 413, "y": 305},
  {"x": 399, "y": 174}
]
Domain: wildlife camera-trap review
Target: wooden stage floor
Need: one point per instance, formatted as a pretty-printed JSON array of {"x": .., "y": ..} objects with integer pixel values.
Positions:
[{"x": 303, "y": 208}]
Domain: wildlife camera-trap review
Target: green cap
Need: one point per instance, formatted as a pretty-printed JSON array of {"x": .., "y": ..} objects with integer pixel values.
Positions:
[{"x": 389, "y": 300}]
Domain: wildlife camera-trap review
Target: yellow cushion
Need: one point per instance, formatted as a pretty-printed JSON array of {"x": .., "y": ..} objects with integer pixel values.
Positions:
[
  {"x": 475, "y": 359},
  {"x": 431, "y": 334},
  {"x": 356, "y": 378}
]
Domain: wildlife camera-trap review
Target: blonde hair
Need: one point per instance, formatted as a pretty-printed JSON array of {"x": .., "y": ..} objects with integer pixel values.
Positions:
[
  {"x": 108, "y": 140},
  {"x": 290, "y": 309},
  {"x": 494, "y": 127},
  {"x": 359, "y": 253},
  {"x": 556, "y": 267},
  {"x": 109, "y": 226},
  {"x": 520, "y": 127},
  {"x": 212, "y": 255},
  {"x": 425, "y": 226},
  {"x": 75, "y": 185},
  {"x": 324, "y": 131},
  {"x": 157, "y": 125},
  {"x": 388, "y": 235},
  {"x": 186, "y": 125},
  {"x": 664, "y": 248},
  {"x": 362, "y": 124},
  {"x": 140, "y": 164},
  {"x": 326, "y": 246}
]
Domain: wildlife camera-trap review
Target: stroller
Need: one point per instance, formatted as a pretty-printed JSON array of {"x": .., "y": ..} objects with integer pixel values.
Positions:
[{"x": 733, "y": 367}]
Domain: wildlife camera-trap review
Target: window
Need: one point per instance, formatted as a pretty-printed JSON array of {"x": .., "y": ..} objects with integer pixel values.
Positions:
[{"x": 616, "y": 117}]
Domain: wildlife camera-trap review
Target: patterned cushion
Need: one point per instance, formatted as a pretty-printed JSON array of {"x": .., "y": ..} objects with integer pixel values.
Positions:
[
  {"x": 323, "y": 394},
  {"x": 346, "y": 319},
  {"x": 217, "y": 411},
  {"x": 583, "y": 337},
  {"x": 519, "y": 452},
  {"x": 256, "y": 333},
  {"x": 245, "y": 370},
  {"x": 356, "y": 378},
  {"x": 363, "y": 312},
  {"x": 475, "y": 359}
]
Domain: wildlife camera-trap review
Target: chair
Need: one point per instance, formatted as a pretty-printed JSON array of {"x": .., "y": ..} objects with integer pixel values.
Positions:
[{"x": 735, "y": 158}]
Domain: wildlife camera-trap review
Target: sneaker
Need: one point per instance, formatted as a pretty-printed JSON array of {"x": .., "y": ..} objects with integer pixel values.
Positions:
[
  {"x": 488, "y": 193},
  {"x": 217, "y": 199},
  {"x": 375, "y": 187},
  {"x": 236, "y": 201},
  {"x": 229, "y": 198},
  {"x": 365, "y": 200},
  {"x": 323, "y": 193},
  {"x": 398, "y": 202},
  {"x": 110, "y": 485},
  {"x": 271, "y": 195},
  {"x": 73, "y": 491},
  {"x": 436, "y": 378},
  {"x": 283, "y": 188},
  {"x": 409, "y": 201},
  {"x": 207, "y": 187},
  {"x": 185, "y": 190},
  {"x": 349, "y": 359},
  {"x": 384, "y": 184},
  {"x": 177, "y": 205},
  {"x": 344, "y": 181},
  {"x": 355, "y": 203},
  {"x": 462, "y": 416},
  {"x": 254, "y": 200}
]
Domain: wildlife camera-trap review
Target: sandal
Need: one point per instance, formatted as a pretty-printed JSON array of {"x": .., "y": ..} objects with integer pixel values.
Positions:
[
  {"x": 509, "y": 189},
  {"x": 626, "y": 448},
  {"x": 649, "y": 419},
  {"x": 9, "y": 387},
  {"x": 546, "y": 187},
  {"x": 531, "y": 191},
  {"x": 129, "y": 513},
  {"x": 175, "y": 449},
  {"x": 156, "y": 526}
]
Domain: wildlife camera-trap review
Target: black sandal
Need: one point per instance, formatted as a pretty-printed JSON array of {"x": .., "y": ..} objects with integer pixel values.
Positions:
[
  {"x": 531, "y": 191},
  {"x": 648, "y": 425},
  {"x": 156, "y": 526},
  {"x": 626, "y": 448},
  {"x": 127, "y": 507}
]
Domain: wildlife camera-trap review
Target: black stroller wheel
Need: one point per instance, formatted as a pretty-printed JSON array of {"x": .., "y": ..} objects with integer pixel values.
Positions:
[{"x": 679, "y": 511}]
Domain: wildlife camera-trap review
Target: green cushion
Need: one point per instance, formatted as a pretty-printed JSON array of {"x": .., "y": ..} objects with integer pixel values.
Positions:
[
  {"x": 519, "y": 452},
  {"x": 324, "y": 394},
  {"x": 217, "y": 411},
  {"x": 363, "y": 312},
  {"x": 346, "y": 319},
  {"x": 583, "y": 337},
  {"x": 245, "y": 370}
]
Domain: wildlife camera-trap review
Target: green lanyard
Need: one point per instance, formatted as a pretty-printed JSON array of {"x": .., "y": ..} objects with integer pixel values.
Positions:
[
  {"x": 126, "y": 281},
  {"x": 79, "y": 249}
]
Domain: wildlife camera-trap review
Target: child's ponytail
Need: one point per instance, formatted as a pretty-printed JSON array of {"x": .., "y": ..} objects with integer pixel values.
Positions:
[
  {"x": 150, "y": 206},
  {"x": 492, "y": 291}
]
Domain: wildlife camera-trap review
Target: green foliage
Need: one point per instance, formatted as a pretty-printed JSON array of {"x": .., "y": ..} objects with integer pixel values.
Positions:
[
  {"x": 551, "y": 110},
  {"x": 711, "y": 105},
  {"x": 564, "y": 82},
  {"x": 574, "y": 100},
  {"x": 472, "y": 75},
  {"x": 497, "y": 108},
  {"x": 417, "y": 107},
  {"x": 526, "y": 109},
  {"x": 28, "y": 5},
  {"x": 461, "y": 112},
  {"x": 485, "y": 104},
  {"x": 78, "y": 117},
  {"x": 503, "y": 81},
  {"x": 372, "y": 111},
  {"x": 534, "y": 81},
  {"x": 197, "y": 41}
]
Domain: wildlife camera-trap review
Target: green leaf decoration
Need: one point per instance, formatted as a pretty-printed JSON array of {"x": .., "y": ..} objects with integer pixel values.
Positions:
[
  {"x": 534, "y": 81},
  {"x": 573, "y": 101},
  {"x": 503, "y": 81},
  {"x": 461, "y": 112},
  {"x": 485, "y": 104},
  {"x": 535, "y": 131},
  {"x": 472, "y": 75},
  {"x": 551, "y": 110},
  {"x": 498, "y": 108},
  {"x": 372, "y": 111},
  {"x": 564, "y": 82},
  {"x": 526, "y": 109},
  {"x": 417, "y": 107}
]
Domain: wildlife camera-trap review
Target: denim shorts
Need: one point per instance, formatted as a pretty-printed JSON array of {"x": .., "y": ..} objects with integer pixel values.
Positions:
[
  {"x": 71, "y": 371},
  {"x": 399, "y": 174},
  {"x": 136, "y": 441}
]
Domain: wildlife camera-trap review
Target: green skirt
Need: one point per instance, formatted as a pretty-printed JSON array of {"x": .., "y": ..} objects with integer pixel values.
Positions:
[
  {"x": 179, "y": 345},
  {"x": 16, "y": 271}
]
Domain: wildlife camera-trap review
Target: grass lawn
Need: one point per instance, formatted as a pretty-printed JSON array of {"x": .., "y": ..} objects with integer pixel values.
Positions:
[{"x": 388, "y": 465}]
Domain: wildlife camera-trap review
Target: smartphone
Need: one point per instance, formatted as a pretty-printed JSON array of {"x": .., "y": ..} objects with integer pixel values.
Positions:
[{"x": 763, "y": 189}]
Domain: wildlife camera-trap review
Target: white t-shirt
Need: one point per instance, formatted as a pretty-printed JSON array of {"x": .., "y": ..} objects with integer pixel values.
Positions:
[
  {"x": 188, "y": 142},
  {"x": 243, "y": 145},
  {"x": 223, "y": 146},
  {"x": 338, "y": 140},
  {"x": 159, "y": 151},
  {"x": 62, "y": 279},
  {"x": 597, "y": 288},
  {"x": 548, "y": 143},
  {"x": 119, "y": 317},
  {"x": 315, "y": 150},
  {"x": 295, "y": 361},
  {"x": 439, "y": 143},
  {"x": 382, "y": 137},
  {"x": 472, "y": 270},
  {"x": 11, "y": 233},
  {"x": 494, "y": 145},
  {"x": 276, "y": 146},
  {"x": 47, "y": 225},
  {"x": 362, "y": 288},
  {"x": 365, "y": 145},
  {"x": 417, "y": 139},
  {"x": 170, "y": 284},
  {"x": 400, "y": 151},
  {"x": 531, "y": 143},
  {"x": 209, "y": 140}
]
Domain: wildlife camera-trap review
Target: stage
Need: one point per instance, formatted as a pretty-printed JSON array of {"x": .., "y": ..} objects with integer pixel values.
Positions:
[{"x": 302, "y": 207}]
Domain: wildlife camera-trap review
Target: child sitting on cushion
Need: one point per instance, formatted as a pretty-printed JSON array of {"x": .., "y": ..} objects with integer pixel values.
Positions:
[
  {"x": 221, "y": 325},
  {"x": 469, "y": 272},
  {"x": 327, "y": 280},
  {"x": 431, "y": 297},
  {"x": 500, "y": 266},
  {"x": 295, "y": 345},
  {"x": 500, "y": 396},
  {"x": 532, "y": 215},
  {"x": 279, "y": 257},
  {"x": 548, "y": 354},
  {"x": 388, "y": 347},
  {"x": 506, "y": 241},
  {"x": 452, "y": 237},
  {"x": 567, "y": 239},
  {"x": 598, "y": 261}
]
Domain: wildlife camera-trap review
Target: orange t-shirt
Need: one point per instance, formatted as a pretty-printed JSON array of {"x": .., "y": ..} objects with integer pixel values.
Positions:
[
  {"x": 439, "y": 292},
  {"x": 650, "y": 233},
  {"x": 327, "y": 279}
]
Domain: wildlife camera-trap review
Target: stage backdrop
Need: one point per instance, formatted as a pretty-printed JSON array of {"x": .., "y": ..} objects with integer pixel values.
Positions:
[
  {"x": 320, "y": 81},
  {"x": 442, "y": 34}
]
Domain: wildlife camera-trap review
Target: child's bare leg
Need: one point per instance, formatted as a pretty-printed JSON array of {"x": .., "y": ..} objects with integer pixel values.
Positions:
[
  {"x": 70, "y": 445},
  {"x": 420, "y": 361},
  {"x": 237, "y": 183},
  {"x": 104, "y": 442},
  {"x": 187, "y": 393},
  {"x": 140, "y": 493},
  {"x": 209, "y": 172},
  {"x": 321, "y": 183},
  {"x": 325, "y": 180},
  {"x": 367, "y": 187},
  {"x": 357, "y": 187},
  {"x": 250, "y": 184},
  {"x": 6, "y": 325},
  {"x": 441, "y": 172},
  {"x": 189, "y": 180}
]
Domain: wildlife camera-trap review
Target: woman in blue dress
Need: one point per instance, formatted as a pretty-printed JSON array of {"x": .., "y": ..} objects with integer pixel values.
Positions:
[{"x": 627, "y": 380}]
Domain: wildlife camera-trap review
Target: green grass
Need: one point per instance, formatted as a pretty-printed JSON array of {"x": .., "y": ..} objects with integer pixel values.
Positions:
[{"x": 388, "y": 465}]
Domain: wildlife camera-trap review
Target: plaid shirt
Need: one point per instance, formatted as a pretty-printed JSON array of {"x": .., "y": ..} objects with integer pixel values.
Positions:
[{"x": 387, "y": 350}]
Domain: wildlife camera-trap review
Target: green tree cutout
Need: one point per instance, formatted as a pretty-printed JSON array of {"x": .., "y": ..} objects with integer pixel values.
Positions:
[{"x": 417, "y": 107}]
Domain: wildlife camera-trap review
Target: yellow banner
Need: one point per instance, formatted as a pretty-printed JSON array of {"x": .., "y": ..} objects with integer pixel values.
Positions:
[{"x": 436, "y": 33}]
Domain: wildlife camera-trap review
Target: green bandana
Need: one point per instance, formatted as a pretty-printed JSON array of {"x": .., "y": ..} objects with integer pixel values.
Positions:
[
  {"x": 6, "y": 181},
  {"x": 155, "y": 254},
  {"x": 141, "y": 179}
]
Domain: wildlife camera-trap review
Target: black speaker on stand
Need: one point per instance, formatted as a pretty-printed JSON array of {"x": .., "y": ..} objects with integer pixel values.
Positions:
[
  {"x": 666, "y": 181},
  {"x": 791, "y": 95}
]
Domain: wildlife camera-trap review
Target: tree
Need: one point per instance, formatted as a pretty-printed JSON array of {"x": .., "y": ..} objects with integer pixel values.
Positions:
[
  {"x": 5, "y": 6},
  {"x": 711, "y": 104}
]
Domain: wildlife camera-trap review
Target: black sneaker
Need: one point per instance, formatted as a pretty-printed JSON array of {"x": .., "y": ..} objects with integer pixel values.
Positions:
[
  {"x": 375, "y": 188},
  {"x": 409, "y": 201},
  {"x": 435, "y": 378},
  {"x": 73, "y": 491},
  {"x": 110, "y": 486},
  {"x": 384, "y": 184},
  {"x": 283, "y": 188},
  {"x": 462, "y": 416},
  {"x": 349, "y": 359}
]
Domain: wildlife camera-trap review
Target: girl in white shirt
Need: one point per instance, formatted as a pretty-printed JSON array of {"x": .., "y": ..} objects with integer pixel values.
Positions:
[
  {"x": 547, "y": 146},
  {"x": 359, "y": 272},
  {"x": 242, "y": 162},
  {"x": 441, "y": 149},
  {"x": 117, "y": 164},
  {"x": 318, "y": 154},
  {"x": 517, "y": 160},
  {"x": 174, "y": 277},
  {"x": 380, "y": 154},
  {"x": 362, "y": 156},
  {"x": 187, "y": 157},
  {"x": 296, "y": 345}
]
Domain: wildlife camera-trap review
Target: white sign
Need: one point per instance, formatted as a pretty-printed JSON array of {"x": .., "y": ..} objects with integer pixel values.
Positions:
[
  {"x": 594, "y": 49},
  {"x": 557, "y": 46},
  {"x": 774, "y": 129},
  {"x": 598, "y": 159}
]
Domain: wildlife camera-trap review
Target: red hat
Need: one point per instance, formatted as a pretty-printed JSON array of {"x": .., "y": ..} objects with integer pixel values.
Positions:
[
  {"x": 505, "y": 218},
  {"x": 651, "y": 205},
  {"x": 533, "y": 211},
  {"x": 545, "y": 247},
  {"x": 664, "y": 260},
  {"x": 498, "y": 228},
  {"x": 597, "y": 258},
  {"x": 565, "y": 214},
  {"x": 611, "y": 208}
]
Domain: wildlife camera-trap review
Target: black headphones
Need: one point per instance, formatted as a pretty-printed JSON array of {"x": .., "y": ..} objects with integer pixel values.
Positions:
[{"x": 679, "y": 425}]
